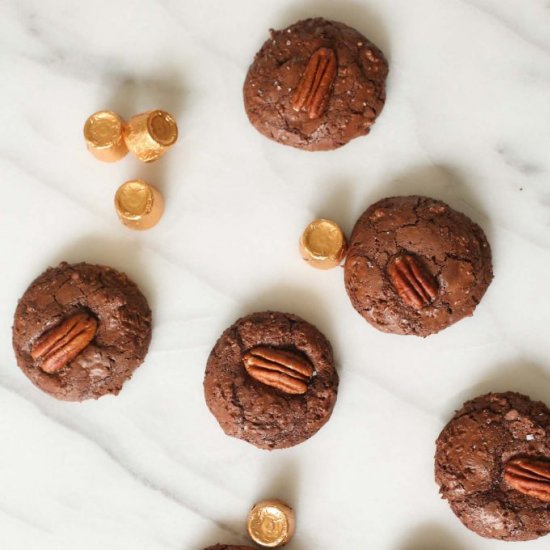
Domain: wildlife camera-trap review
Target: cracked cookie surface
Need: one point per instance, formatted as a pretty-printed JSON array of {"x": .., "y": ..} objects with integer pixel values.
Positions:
[
  {"x": 354, "y": 99},
  {"x": 118, "y": 346},
  {"x": 258, "y": 413},
  {"x": 449, "y": 246},
  {"x": 471, "y": 453}
]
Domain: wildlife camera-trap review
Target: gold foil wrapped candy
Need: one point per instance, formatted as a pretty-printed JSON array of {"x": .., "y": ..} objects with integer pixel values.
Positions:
[
  {"x": 150, "y": 134},
  {"x": 323, "y": 244},
  {"x": 138, "y": 204},
  {"x": 271, "y": 523},
  {"x": 104, "y": 135}
]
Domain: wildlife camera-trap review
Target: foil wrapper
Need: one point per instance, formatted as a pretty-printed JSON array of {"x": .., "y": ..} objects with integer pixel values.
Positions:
[
  {"x": 323, "y": 244},
  {"x": 104, "y": 135},
  {"x": 139, "y": 205},
  {"x": 271, "y": 523},
  {"x": 149, "y": 135}
]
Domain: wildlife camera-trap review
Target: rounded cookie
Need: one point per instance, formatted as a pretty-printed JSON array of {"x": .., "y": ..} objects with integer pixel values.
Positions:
[
  {"x": 81, "y": 330},
  {"x": 228, "y": 547},
  {"x": 315, "y": 85},
  {"x": 416, "y": 266},
  {"x": 485, "y": 455},
  {"x": 270, "y": 380}
]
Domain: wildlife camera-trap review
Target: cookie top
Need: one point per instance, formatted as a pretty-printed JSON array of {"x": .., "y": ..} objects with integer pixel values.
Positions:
[
  {"x": 270, "y": 380},
  {"x": 416, "y": 266},
  {"x": 482, "y": 462},
  {"x": 80, "y": 331},
  {"x": 315, "y": 85},
  {"x": 228, "y": 547}
]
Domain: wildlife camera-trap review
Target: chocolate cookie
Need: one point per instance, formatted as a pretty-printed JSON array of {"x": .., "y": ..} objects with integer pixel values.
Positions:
[
  {"x": 315, "y": 85},
  {"x": 270, "y": 380},
  {"x": 81, "y": 330},
  {"x": 416, "y": 266},
  {"x": 492, "y": 464}
]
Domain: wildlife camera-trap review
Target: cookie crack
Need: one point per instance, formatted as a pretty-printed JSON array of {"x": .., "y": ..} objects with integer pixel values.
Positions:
[
  {"x": 238, "y": 339},
  {"x": 236, "y": 402},
  {"x": 458, "y": 257}
]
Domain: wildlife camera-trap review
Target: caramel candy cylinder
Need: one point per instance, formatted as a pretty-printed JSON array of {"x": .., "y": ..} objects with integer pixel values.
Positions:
[
  {"x": 104, "y": 135},
  {"x": 150, "y": 134},
  {"x": 323, "y": 244},
  {"x": 138, "y": 204},
  {"x": 271, "y": 523}
]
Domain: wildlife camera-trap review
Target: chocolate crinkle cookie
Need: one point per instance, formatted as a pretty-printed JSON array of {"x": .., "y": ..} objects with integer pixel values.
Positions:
[
  {"x": 81, "y": 330},
  {"x": 416, "y": 266},
  {"x": 315, "y": 85},
  {"x": 270, "y": 380},
  {"x": 492, "y": 464}
]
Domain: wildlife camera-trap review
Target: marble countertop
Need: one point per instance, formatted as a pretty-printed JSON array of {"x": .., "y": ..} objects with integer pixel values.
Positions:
[{"x": 467, "y": 120}]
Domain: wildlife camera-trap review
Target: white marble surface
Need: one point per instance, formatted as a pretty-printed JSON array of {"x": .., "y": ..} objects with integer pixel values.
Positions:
[{"x": 467, "y": 120}]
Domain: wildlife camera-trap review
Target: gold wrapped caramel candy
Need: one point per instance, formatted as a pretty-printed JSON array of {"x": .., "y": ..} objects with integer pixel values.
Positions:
[
  {"x": 138, "y": 204},
  {"x": 150, "y": 134},
  {"x": 104, "y": 135},
  {"x": 323, "y": 244},
  {"x": 271, "y": 523}
]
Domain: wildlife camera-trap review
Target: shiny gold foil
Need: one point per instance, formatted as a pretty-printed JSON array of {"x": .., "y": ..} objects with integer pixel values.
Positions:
[
  {"x": 323, "y": 244},
  {"x": 138, "y": 204},
  {"x": 150, "y": 134},
  {"x": 104, "y": 135},
  {"x": 271, "y": 523}
]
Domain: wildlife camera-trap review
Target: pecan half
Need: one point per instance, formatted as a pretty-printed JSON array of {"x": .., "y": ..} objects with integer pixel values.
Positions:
[
  {"x": 415, "y": 286},
  {"x": 60, "y": 345},
  {"x": 285, "y": 370},
  {"x": 530, "y": 476},
  {"x": 313, "y": 91}
]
